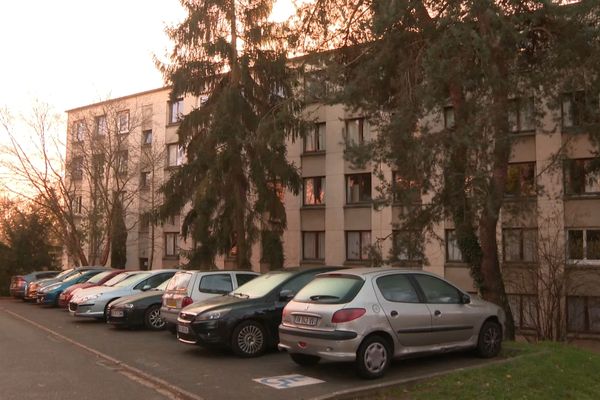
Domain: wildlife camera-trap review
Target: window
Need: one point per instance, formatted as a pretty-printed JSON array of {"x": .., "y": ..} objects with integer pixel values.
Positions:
[
  {"x": 77, "y": 168},
  {"x": 144, "y": 179},
  {"x": 583, "y": 314},
  {"x": 437, "y": 291},
  {"x": 174, "y": 155},
  {"x": 520, "y": 179},
  {"x": 521, "y": 115},
  {"x": 449, "y": 121},
  {"x": 582, "y": 176},
  {"x": 313, "y": 245},
  {"x": 358, "y": 188},
  {"x": 519, "y": 244},
  {"x": 122, "y": 160},
  {"x": 147, "y": 136},
  {"x": 315, "y": 85},
  {"x": 579, "y": 108},
  {"x": 217, "y": 283},
  {"x": 157, "y": 279},
  {"x": 314, "y": 191},
  {"x": 77, "y": 204},
  {"x": 101, "y": 125},
  {"x": 405, "y": 190},
  {"x": 144, "y": 222},
  {"x": 79, "y": 131},
  {"x": 583, "y": 244},
  {"x": 244, "y": 278},
  {"x": 123, "y": 121},
  {"x": 98, "y": 165},
  {"x": 315, "y": 139},
  {"x": 147, "y": 117},
  {"x": 175, "y": 111},
  {"x": 453, "y": 252},
  {"x": 397, "y": 288},
  {"x": 524, "y": 309},
  {"x": 407, "y": 245},
  {"x": 171, "y": 244},
  {"x": 357, "y": 245},
  {"x": 357, "y": 131}
]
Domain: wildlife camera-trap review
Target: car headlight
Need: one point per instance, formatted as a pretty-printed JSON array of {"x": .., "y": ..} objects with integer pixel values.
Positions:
[
  {"x": 89, "y": 298},
  {"x": 128, "y": 306},
  {"x": 212, "y": 315}
]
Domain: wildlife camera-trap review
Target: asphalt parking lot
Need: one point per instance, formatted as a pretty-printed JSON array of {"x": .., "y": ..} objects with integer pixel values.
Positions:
[{"x": 66, "y": 355}]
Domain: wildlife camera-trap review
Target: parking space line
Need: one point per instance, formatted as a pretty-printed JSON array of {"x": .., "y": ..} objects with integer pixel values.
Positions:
[{"x": 159, "y": 385}]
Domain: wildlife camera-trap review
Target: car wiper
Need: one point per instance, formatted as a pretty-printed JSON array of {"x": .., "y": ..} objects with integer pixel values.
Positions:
[
  {"x": 318, "y": 297},
  {"x": 242, "y": 295}
]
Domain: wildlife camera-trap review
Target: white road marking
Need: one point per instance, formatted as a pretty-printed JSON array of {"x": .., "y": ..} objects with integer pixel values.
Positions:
[{"x": 288, "y": 381}]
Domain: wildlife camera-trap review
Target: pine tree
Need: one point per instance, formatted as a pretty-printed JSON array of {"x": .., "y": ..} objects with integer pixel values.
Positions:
[
  {"x": 405, "y": 63},
  {"x": 236, "y": 166},
  {"x": 118, "y": 236}
]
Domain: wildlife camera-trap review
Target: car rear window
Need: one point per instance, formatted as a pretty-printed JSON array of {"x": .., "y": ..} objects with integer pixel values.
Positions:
[
  {"x": 330, "y": 289},
  {"x": 218, "y": 283},
  {"x": 179, "y": 281}
]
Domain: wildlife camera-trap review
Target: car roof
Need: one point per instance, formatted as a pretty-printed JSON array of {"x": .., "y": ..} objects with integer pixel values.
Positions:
[{"x": 366, "y": 271}]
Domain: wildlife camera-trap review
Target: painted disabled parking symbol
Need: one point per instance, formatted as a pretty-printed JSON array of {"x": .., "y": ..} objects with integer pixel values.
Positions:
[{"x": 288, "y": 381}]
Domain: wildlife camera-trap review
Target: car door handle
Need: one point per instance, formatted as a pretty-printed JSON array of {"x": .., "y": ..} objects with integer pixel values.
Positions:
[
  {"x": 437, "y": 313},
  {"x": 394, "y": 313}
]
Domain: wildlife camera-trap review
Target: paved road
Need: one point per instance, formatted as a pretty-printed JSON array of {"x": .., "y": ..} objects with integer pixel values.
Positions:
[{"x": 50, "y": 366}]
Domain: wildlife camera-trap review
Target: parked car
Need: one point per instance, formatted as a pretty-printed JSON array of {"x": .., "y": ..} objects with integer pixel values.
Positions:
[
  {"x": 102, "y": 278},
  {"x": 32, "y": 288},
  {"x": 48, "y": 295},
  {"x": 371, "y": 315},
  {"x": 19, "y": 283},
  {"x": 93, "y": 302},
  {"x": 142, "y": 309},
  {"x": 188, "y": 287},
  {"x": 245, "y": 320}
]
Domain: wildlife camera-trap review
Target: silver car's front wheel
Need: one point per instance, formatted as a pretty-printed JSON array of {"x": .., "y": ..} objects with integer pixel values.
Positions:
[
  {"x": 373, "y": 357},
  {"x": 490, "y": 339}
]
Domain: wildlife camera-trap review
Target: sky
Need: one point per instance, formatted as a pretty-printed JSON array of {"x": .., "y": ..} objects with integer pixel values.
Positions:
[{"x": 70, "y": 53}]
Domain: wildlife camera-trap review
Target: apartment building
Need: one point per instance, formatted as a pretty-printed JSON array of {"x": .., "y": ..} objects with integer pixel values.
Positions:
[{"x": 551, "y": 217}]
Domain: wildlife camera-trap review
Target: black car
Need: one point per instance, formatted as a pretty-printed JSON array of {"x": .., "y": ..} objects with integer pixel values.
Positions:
[
  {"x": 141, "y": 309},
  {"x": 247, "y": 319}
]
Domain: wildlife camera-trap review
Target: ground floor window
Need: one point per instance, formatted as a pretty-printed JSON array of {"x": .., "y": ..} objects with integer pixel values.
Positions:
[
  {"x": 583, "y": 314},
  {"x": 524, "y": 310}
]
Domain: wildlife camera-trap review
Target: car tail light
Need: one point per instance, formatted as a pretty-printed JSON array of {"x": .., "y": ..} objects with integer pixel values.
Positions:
[
  {"x": 285, "y": 313},
  {"x": 347, "y": 315},
  {"x": 186, "y": 301}
]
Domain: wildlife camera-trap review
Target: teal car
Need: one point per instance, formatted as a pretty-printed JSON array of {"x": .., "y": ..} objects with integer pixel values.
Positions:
[{"x": 49, "y": 294}]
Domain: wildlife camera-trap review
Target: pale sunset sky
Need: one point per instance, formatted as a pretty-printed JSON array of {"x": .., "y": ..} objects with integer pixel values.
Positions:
[{"x": 69, "y": 53}]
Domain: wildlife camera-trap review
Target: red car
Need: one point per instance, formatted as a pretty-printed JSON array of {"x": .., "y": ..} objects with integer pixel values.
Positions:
[{"x": 97, "y": 280}]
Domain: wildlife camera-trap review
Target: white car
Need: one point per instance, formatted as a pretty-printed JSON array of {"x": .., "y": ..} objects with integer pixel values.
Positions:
[
  {"x": 188, "y": 287},
  {"x": 93, "y": 302}
]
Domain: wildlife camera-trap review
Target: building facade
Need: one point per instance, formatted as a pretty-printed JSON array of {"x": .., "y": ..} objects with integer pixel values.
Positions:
[{"x": 550, "y": 225}]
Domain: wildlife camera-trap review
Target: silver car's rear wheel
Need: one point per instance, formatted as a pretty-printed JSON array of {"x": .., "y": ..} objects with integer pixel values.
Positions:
[
  {"x": 249, "y": 339},
  {"x": 373, "y": 357}
]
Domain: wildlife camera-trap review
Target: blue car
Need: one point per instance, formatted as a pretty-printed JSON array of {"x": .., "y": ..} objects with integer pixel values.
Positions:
[{"x": 49, "y": 294}]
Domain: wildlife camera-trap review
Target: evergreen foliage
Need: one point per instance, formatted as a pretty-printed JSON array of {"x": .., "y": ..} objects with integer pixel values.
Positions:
[
  {"x": 438, "y": 79},
  {"x": 236, "y": 167},
  {"x": 118, "y": 237}
]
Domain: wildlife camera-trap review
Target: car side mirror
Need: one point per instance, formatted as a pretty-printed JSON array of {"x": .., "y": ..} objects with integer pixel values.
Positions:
[
  {"x": 286, "y": 295},
  {"x": 466, "y": 299},
  {"x": 146, "y": 287}
]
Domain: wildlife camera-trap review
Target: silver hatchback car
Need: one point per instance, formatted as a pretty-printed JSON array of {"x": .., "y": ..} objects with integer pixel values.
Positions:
[{"x": 371, "y": 315}]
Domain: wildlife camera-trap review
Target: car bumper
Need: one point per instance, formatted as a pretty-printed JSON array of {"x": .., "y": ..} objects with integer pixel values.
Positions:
[
  {"x": 329, "y": 345},
  {"x": 206, "y": 333},
  {"x": 169, "y": 315},
  {"x": 86, "y": 310},
  {"x": 46, "y": 298},
  {"x": 125, "y": 317}
]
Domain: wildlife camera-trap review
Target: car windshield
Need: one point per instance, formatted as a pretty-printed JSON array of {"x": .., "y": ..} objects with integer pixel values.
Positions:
[
  {"x": 330, "y": 289},
  {"x": 73, "y": 277},
  {"x": 116, "y": 279},
  {"x": 179, "y": 281},
  {"x": 64, "y": 273},
  {"x": 132, "y": 280},
  {"x": 98, "y": 277},
  {"x": 162, "y": 286},
  {"x": 260, "y": 286}
]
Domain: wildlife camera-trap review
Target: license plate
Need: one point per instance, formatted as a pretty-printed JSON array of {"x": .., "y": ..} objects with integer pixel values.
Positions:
[
  {"x": 39, "y": 300},
  {"x": 171, "y": 303},
  {"x": 183, "y": 329},
  {"x": 116, "y": 313},
  {"x": 305, "y": 320}
]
